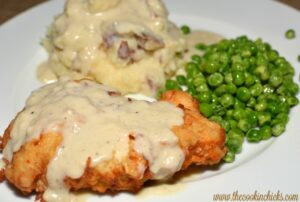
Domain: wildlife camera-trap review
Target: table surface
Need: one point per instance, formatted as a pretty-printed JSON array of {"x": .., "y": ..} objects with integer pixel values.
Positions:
[{"x": 10, "y": 8}]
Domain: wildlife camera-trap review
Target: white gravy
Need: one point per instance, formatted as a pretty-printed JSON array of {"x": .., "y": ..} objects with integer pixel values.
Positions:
[
  {"x": 199, "y": 36},
  {"x": 127, "y": 44},
  {"x": 94, "y": 123}
]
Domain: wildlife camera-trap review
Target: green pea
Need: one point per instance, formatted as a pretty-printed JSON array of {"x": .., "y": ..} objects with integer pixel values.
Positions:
[
  {"x": 275, "y": 80},
  {"x": 238, "y": 104},
  {"x": 290, "y": 34},
  {"x": 261, "y": 61},
  {"x": 261, "y": 106},
  {"x": 273, "y": 55},
  {"x": 181, "y": 80},
  {"x": 252, "y": 60},
  {"x": 238, "y": 77},
  {"x": 239, "y": 114},
  {"x": 227, "y": 100},
  {"x": 220, "y": 90},
  {"x": 284, "y": 107},
  {"x": 253, "y": 135},
  {"x": 206, "y": 109},
  {"x": 202, "y": 88},
  {"x": 249, "y": 79},
  {"x": 201, "y": 46},
  {"x": 192, "y": 91},
  {"x": 265, "y": 132},
  {"x": 224, "y": 44},
  {"x": 185, "y": 29},
  {"x": 262, "y": 98},
  {"x": 189, "y": 81},
  {"x": 264, "y": 118},
  {"x": 292, "y": 87},
  {"x": 246, "y": 63},
  {"x": 256, "y": 89},
  {"x": 272, "y": 97},
  {"x": 251, "y": 102},
  {"x": 238, "y": 66},
  {"x": 236, "y": 59},
  {"x": 232, "y": 123},
  {"x": 231, "y": 88},
  {"x": 223, "y": 69},
  {"x": 235, "y": 140},
  {"x": 159, "y": 93},
  {"x": 196, "y": 58},
  {"x": 199, "y": 80},
  {"x": 229, "y": 157},
  {"x": 236, "y": 133},
  {"x": 191, "y": 69},
  {"x": 262, "y": 72},
  {"x": 252, "y": 118},
  {"x": 205, "y": 96},
  {"x": 246, "y": 53},
  {"x": 278, "y": 129},
  {"x": 171, "y": 84},
  {"x": 292, "y": 101},
  {"x": 214, "y": 99},
  {"x": 273, "y": 107},
  {"x": 229, "y": 114},
  {"x": 216, "y": 118},
  {"x": 244, "y": 125},
  {"x": 283, "y": 117},
  {"x": 215, "y": 79},
  {"x": 234, "y": 145},
  {"x": 224, "y": 58},
  {"x": 211, "y": 67},
  {"x": 225, "y": 124},
  {"x": 228, "y": 78},
  {"x": 287, "y": 77},
  {"x": 243, "y": 94}
]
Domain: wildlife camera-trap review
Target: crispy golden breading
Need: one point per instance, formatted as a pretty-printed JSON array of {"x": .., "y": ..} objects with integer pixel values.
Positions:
[
  {"x": 202, "y": 141},
  {"x": 2, "y": 175},
  {"x": 29, "y": 165}
]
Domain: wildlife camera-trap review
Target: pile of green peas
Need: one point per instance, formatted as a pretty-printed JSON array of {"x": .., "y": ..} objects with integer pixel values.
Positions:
[{"x": 243, "y": 85}]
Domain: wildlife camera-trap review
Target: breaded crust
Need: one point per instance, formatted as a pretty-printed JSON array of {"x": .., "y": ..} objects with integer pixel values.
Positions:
[
  {"x": 2, "y": 174},
  {"x": 202, "y": 141}
]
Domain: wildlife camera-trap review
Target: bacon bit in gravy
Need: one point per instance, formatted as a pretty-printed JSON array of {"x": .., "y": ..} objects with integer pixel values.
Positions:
[
  {"x": 113, "y": 93},
  {"x": 131, "y": 137},
  {"x": 108, "y": 41},
  {"x": 151, "y": 85},
  {"x": 124, "y": 52},
  {"x": 149, "y": 42}
]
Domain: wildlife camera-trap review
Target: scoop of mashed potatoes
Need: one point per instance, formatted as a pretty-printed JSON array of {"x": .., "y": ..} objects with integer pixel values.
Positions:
[{"x": 127, "y": 44}]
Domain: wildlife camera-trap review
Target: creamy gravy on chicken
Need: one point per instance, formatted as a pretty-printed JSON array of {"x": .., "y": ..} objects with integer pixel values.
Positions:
[{"x": 96, "y": 122}]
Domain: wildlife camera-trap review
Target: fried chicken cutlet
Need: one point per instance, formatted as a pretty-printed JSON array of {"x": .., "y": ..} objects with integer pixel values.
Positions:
[{"x": 159, "y": 139}]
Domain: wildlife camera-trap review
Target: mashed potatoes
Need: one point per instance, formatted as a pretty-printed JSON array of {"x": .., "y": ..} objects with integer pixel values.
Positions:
[{"x": 127, "y": 44}]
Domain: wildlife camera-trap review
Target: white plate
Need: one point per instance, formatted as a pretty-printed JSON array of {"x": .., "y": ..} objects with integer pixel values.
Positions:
[{"x": 268, "y": 166}]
